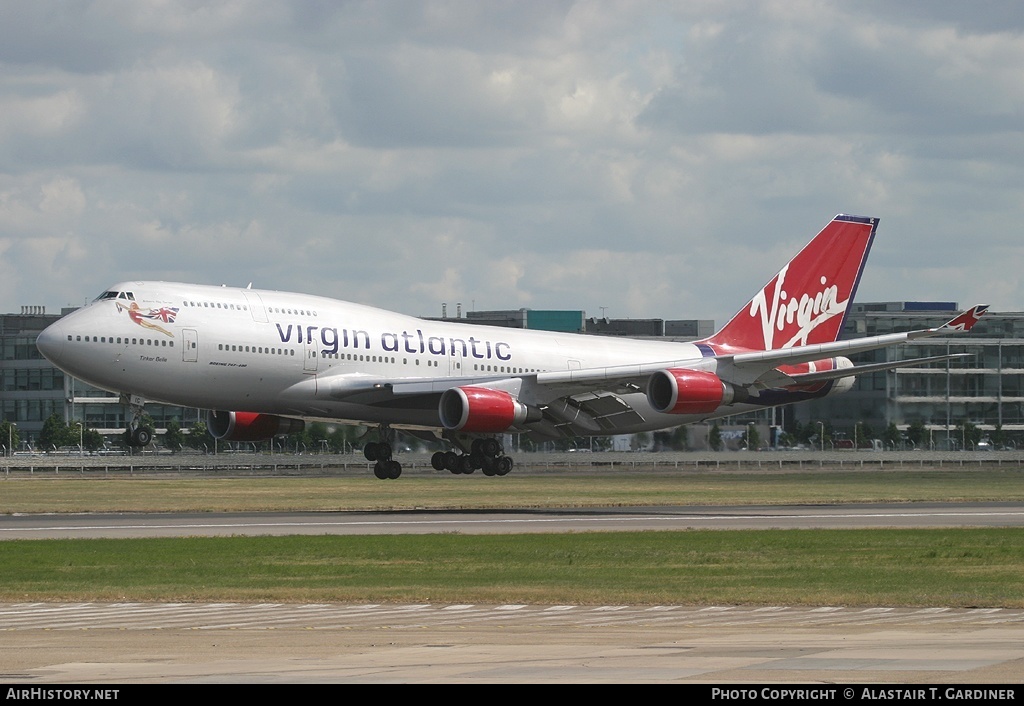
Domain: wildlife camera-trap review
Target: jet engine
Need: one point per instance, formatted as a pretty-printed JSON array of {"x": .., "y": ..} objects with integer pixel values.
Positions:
[
  {"x": 681, "y": 391},
  {"x": 483, "y": 410},
  {"x": 249, "y": 426}
]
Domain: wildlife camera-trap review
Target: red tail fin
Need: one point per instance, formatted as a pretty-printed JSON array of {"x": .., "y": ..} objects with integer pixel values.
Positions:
[{"x": 806, "y": 302}]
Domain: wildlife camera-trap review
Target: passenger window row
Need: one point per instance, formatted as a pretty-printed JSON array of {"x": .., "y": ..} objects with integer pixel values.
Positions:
[
  {"x": 215, "y": 305},
  {"x": 504, "y": 369},
  {"x": 236, "y": 348},
  {"x": 123, "y": 340},
  {"x": 292, "y": 312},
  {"x": 244, "y": 307}
]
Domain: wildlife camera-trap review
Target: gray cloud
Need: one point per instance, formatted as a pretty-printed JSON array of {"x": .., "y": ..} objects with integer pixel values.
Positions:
[{"x": 656, "y": 159}]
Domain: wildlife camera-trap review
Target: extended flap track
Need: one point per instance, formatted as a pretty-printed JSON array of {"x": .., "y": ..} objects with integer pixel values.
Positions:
[{"x": 592, "y": 412}]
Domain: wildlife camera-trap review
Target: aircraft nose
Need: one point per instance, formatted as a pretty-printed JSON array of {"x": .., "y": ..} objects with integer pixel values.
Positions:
[{"x": 51, "y": 342}]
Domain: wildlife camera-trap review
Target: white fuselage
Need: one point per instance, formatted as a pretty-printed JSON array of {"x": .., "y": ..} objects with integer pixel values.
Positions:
[{"x": 302, "y": 355}]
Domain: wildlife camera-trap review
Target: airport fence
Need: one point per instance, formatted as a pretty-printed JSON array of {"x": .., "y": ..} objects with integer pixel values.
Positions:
[{"x": 233, "y": 465}]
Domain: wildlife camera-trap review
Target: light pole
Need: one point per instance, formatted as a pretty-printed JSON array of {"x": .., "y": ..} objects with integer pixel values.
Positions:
[{"x": 821, "y": 436}]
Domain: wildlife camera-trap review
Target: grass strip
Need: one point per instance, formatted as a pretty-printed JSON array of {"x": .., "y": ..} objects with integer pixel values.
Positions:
[
  {"x": 68, "y": 493},
  {"x": 939, "y": 567}
]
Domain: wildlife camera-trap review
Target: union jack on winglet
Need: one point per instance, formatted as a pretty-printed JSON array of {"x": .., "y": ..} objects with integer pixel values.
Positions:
[{"x": 965, "y": 322}]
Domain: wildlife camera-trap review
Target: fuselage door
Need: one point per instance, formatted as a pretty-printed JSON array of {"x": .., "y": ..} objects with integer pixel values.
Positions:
[
  {"x": 256, "y": 308},
  {"x": 455, "y": 362},
  {"x": 312, "y": 355},
  {"x": 190, "y": 345}
]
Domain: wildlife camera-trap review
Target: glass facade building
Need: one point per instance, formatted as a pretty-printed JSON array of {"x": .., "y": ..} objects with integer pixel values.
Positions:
[{"x": 984, "y": 385}]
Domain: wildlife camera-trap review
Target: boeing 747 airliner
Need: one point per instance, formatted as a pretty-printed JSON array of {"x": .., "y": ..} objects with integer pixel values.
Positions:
[{"x": 263, "y": 362}]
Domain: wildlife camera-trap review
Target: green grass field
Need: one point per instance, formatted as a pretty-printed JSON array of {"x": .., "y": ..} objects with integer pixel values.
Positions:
[{"x": 955, "y": 568}]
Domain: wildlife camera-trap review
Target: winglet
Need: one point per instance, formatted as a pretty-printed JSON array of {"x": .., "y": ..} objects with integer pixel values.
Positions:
[{"x": 965, "y": 321}]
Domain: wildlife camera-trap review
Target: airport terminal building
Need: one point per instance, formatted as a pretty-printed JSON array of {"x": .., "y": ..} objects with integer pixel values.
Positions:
[{"x": 985, "y": 387}]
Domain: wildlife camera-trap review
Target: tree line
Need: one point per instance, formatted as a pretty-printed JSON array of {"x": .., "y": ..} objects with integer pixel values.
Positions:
[{"x": 341, "y": 438}]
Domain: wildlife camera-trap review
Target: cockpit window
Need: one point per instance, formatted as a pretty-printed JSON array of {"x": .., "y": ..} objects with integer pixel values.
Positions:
[{"x": 127, "y": 296}]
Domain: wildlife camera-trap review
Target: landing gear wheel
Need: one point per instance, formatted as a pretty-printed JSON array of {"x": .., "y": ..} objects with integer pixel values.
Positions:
[
  {"x": 451, "y": 461},
  {"x": 377, "y": 451},
  {"x": 465, "y": 464},
  {"x": 386, "y": 470},
  {"x": 503, "y": 465},
  {"x": 437, "y": 461},
  {"x": 141, "y": 437},
  {"x": 491, "y": 447}
]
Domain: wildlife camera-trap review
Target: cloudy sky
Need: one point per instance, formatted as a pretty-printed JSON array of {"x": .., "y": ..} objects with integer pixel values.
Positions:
[{"x": 651, "y": 158}]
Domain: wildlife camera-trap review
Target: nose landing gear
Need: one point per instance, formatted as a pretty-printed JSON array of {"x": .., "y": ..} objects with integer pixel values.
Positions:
[{"x": 137, "y": 435}]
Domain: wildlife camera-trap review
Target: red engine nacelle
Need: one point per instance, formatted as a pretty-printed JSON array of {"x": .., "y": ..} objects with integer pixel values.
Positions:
[
  {"x": 680, "y": 391},
  {"x": 482, "y": 410},
  {"x": 249, "y": 426}
]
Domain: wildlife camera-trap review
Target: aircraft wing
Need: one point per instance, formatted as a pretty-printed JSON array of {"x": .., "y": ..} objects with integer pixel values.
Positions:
[
  {"x": 591, "y": 399},
  {"x": 749, "y": 368}
]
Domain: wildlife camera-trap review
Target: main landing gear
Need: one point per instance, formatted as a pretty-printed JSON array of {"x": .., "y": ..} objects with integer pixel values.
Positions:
[
  {"x": 380, "y": 451},
  {"x": 485, "y": 454}
]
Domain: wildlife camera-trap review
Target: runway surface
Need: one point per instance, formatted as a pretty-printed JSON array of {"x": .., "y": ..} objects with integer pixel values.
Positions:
[
  {"x": 115, "y": 643},
  {"x": 875, "y": 515},
  {"x": 138, "y": 643}
]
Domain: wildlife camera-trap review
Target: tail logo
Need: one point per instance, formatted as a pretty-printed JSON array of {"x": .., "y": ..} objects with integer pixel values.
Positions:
[{"x": 808, "y": 312}]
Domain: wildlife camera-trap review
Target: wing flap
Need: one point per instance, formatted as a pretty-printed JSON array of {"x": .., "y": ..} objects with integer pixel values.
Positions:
[{"x": 592, "y": 412}]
